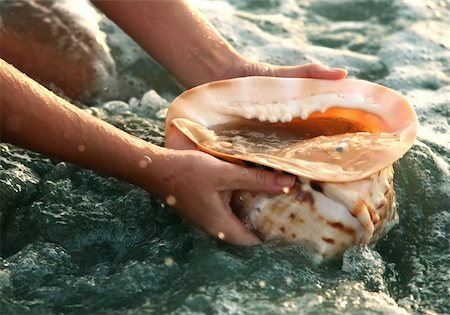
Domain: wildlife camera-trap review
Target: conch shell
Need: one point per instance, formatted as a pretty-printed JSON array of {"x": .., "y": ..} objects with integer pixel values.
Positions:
[{"x": 340, "y": 138}]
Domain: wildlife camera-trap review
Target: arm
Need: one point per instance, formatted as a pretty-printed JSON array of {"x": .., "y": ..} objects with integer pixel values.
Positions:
[
  {"x": 35, "y": 118},
  {"x": 186, "y": 44}
]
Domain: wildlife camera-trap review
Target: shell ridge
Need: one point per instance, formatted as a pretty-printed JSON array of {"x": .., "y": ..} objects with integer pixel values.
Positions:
[{"x": 283, "y": 111}]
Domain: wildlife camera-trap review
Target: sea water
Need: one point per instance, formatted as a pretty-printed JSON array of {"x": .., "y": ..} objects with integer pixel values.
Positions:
[{"x": 76, "y": 242}]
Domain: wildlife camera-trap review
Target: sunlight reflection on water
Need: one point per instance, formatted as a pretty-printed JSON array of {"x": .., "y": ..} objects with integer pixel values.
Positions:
[{"x": 76, "y": 242}]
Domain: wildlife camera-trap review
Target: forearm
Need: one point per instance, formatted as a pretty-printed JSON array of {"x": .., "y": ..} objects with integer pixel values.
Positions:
[
  {"x": 177, "y": 36},
  {"x": 36, "y": 119}
]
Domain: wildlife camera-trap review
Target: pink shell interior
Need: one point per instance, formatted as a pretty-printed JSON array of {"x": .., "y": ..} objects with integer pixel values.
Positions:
[{"x": 382, "y": 123}]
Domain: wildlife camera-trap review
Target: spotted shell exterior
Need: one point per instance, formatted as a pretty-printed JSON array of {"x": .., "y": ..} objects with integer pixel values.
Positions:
[
  {"x": 362, "y": 212},
  {"x": 331, "y": 207}
]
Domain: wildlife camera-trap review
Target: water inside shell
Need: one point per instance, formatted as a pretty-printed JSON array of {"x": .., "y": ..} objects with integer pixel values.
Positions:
[
  {"x": 335, "y": 131},
  {"x": 339, "y": 137}
]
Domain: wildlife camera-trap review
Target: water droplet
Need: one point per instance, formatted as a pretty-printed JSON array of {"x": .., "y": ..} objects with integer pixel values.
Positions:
[
  {"x": 221, "y": 235},
  {"x": 288, "y": 280},
  {"x": 225, "y": 144},
  {"x": 168, "y": 261},
  {"x": 289, "y": 304},
  {"x": 81, "y": 148},
  {"x": 145, "y": 161},
  {"x": 171, "y": 200}
]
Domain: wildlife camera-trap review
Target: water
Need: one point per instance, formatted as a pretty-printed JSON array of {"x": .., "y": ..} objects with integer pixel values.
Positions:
[
  {"x": 319, "y": 148},
  {"x": 76, "y": 242},
  {"x": 253, "y": 136}
]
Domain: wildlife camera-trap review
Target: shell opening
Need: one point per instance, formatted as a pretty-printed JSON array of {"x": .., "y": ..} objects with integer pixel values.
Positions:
[{"x": 334, "y": 131}]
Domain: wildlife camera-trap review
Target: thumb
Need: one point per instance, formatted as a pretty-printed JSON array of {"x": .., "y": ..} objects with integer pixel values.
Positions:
[{"x": 260, "y": 180}]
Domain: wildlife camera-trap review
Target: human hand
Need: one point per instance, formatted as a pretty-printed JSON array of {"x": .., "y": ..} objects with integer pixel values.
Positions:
[
  {"x": 191, "y": 48},
  {"x": 199, "y": 187},
  {"x": 246, "y": 67}
]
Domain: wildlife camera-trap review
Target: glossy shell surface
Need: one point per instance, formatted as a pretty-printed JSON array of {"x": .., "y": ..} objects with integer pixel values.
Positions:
[{"x": 356, "y": 131}]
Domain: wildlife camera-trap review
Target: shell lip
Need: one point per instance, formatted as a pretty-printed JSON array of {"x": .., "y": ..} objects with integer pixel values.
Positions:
[{"x": 385, "y": 110}]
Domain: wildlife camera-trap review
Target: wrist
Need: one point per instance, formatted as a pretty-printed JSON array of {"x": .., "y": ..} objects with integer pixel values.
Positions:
[
  {"x": 149, "y": 167},
  {"x": 232, "y": 68},
  {"x": 217, "y": 64}
]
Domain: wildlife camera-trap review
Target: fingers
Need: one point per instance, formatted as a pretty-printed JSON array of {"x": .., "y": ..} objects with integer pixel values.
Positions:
[
  {"x": 230, "y": 229},
  {"x": 315, "y": 71},
  {"x": 322, "y": 72},
  {"x": 218, "y": 220},
  {"x": 259, "y": 180}
]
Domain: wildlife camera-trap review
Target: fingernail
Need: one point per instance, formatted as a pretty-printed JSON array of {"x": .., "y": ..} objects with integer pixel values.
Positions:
[
  {"x": 340, "y": 70},
  {"x": 285, "y": 180}
]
